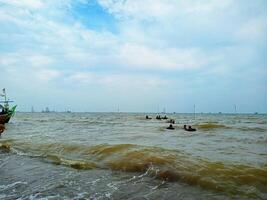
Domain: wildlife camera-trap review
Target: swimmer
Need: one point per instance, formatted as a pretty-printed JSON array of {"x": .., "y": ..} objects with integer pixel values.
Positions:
[
  {"x": 189, "y": 128},
  {"x": 170, "y": 127},
  {"x": 172, "y": 121},
  {"x": 158, "y": 117},
  {"x": 148, "y": 117}
]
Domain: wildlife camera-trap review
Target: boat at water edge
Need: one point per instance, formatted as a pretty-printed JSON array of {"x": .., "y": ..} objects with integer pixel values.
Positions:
[{"x": 5, "y": 111}]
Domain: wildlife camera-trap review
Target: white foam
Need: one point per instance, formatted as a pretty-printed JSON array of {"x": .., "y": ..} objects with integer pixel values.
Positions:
[{"x": 5, "y": 187}]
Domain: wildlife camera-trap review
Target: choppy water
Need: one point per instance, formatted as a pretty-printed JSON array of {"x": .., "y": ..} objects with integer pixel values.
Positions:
[{"x": 125, "y": 156}]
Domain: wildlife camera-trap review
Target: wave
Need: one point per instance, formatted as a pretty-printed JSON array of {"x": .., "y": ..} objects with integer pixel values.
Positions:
[
  {"x": 5, "y": 146},
  {"x": 212, "y": 126},
  {"x": 252, "y": 129},
  {"x": 209, "y": 126},
  {"x": 169, "y": 165}
]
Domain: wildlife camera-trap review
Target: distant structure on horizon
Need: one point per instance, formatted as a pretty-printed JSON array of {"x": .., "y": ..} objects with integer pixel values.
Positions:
[
  {"x": 67, "y": 111},
  {"x": 164, "y": 110},
  {"x": 194, "y": 111},
  {"x": 46, "y": 110}
]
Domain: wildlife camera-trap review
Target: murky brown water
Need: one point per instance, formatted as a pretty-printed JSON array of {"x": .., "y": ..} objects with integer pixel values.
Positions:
[{"x": 124, "y": 156}]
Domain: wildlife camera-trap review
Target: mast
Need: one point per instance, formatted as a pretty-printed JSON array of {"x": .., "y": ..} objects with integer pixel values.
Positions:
[
  {"x": 235, "y": 108},
  {"x": 194, "y": 111},
  {"x": 5, "y": 103},
  {"x": 4, "y": 92},
  {"x": 5, "y": 99}
]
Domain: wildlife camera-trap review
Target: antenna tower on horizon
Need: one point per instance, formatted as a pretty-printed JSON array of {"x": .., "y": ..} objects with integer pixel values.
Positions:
[{"x": 194, "y": 111}]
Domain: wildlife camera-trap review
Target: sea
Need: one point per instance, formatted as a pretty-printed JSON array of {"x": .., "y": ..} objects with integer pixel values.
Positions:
[{"x": 103, "y": 156}]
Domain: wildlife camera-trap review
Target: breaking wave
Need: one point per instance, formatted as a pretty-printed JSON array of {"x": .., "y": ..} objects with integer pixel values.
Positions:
[
  {"x": 212, "y": 126},
  {"x": 169, "y": 165}
]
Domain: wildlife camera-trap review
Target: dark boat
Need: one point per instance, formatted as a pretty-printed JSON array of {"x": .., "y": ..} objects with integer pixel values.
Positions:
[
  {"x": 4, "y": 118},
  {"x": 5, "y": 111}
]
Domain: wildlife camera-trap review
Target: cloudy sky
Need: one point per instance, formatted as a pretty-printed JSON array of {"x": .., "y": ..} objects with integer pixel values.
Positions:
[{"x": 140, "y": 55}]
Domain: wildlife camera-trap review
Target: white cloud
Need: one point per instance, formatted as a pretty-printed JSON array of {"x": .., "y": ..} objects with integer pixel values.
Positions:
[
  {"x": 158, "y": 40},
  {"x": 158, "y": 9},
  {"x": 82, "y": 47},
  {"x": 32, "y": 4},
  {"x": 33, "y": 67},
  {"x": 22, "y": 59},
  {"x": 117, "y": 81},
  {"x": 82, "y": 78},
  {"x": 144, "y": 57},
  {"x": 138, "y": 9},
  {"x": 47, "y": 74},
  {"x": 204, "y": 6},
  {"x": 254, "y": 30}
]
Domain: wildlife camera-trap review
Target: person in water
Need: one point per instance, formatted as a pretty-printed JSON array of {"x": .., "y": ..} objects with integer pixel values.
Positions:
[
  {"x": 2, "y": 128},
  {"x": 189, "y": 128},
  {"x": 158, "y": 117},
  {"x": 172, "y": 121},
  {"x": 170, "y": 127},
  {"x": 148, "y": 117}
]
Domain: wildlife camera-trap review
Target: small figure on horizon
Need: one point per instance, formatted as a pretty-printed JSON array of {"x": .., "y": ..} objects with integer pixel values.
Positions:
[
  {"x": 165, "y": 117},
  {"x": 189, "y": 128},
  {"x": 170, "y": 127}
]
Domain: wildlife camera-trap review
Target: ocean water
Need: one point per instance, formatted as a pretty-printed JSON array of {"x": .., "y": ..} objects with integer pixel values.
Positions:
[{"x": 125, "y": 156}]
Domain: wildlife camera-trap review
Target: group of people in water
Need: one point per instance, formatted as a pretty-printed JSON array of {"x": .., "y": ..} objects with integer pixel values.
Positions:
[
  {"x": 160, "y": 118},
  {"x": 172, "y": 121}
]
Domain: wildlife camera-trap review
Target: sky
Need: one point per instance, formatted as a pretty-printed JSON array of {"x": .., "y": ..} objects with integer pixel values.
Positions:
[{"x": 135, "y": 55}]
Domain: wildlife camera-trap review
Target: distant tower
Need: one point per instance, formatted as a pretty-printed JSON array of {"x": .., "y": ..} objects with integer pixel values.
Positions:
[
  {"x": 118, "y": 108},
  {"x": 32, "y": 110},
  {"x": 164, "y": 110},
  {"x": 194, "y": 111},
  {"x": 235, "y": 108},
  {"x": 46, "y": 109}
]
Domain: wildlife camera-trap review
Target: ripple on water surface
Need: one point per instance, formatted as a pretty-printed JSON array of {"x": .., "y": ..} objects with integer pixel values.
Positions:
[{"x": 224, "y": 157}]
